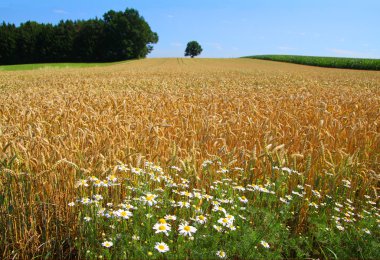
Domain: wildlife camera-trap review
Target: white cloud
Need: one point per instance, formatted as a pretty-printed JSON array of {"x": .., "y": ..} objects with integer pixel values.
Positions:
[
  {"x": 348, "y": 53},
  {"x": 215, "y": 45}
]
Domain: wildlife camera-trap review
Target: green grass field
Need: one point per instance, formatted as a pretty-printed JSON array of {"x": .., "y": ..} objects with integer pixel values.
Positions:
[
  {"x": 54, "y": 65},
  {"x": 330, "y": 62}
]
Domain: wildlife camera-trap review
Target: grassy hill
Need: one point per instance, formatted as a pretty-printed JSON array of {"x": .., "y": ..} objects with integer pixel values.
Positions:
[
  {"x": 330, "y": 62},
  {"x": 55, "y": 65}
]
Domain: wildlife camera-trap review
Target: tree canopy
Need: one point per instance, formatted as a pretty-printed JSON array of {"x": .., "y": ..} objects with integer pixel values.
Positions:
[
  {"x": 118, "y": 36},
  {"x": 193, "y": 49}
]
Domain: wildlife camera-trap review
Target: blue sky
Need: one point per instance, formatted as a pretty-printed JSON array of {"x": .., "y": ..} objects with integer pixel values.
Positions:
[{"x": 232, "y": 28}]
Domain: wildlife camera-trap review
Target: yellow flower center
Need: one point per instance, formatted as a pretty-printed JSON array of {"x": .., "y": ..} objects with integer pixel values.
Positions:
[
  {"x": 243, "y": 197},
  {"x": 161, "y": 247},
  {"x": 123, "y": 213},
  {"x": 162, "y": 221},
  {"x": 162, "y": 227},
  {"x": 149, "y": 197},
  {"x": 187, "y": 228},
  {"x": 201, "y": 217},
  {"x": 225, "y": 220}
]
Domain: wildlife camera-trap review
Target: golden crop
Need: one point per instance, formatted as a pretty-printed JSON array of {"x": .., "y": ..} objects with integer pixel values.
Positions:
[{"x": 54, "y": 122}]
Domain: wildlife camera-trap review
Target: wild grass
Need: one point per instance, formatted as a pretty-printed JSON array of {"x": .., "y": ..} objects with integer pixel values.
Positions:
[
  {"x": 329, "y": 62},
  {"x": 61, "y": 126},
  {"x": 36, "y": 66}
]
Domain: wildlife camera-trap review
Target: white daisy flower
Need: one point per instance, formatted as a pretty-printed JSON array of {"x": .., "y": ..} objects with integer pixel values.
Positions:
[
  {"x": 264, "y": 244},
  {"x": 170, "y": 217},
  {"x": 93, "y": 178},
  {"x": 201, "y": 219},
  {"x": 221, "y": 254},
  {"x": 82, "y": 182},
  {"x": 218, "y": 228},
  {"x": 98, "y": 197},
  {"x": 187, "y": 194},
  {"x": 224, "y": 221},
  {"x": 125, "y": 214},
  {"x": 243, "y": 199},
  {"x": 107, "y": 244},
  {"x": 149, "y": 199},
  {"x": 341, "y": 228},
  {"x": 183, "y": 204},
  {"x": 366, "y": 230},
  {"x": 87, "y": 219},
  {"x": 162, "y": 228},
  {"x": 161, "y": 247},
  {"x": 111, "y": 178},
  {"x": 186, "y": 230}
]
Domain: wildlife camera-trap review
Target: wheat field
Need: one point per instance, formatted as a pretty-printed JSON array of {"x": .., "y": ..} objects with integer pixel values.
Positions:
[{"x": 58, "y": 125}]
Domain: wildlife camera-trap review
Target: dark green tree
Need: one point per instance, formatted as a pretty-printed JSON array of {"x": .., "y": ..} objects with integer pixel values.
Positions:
[
  {"x": 118, "y": 36},
  {"x": 63, "y": 45},
  {"x": 127, "y": 35},
  {"x": 193, "y": 49},
  {"x": 7, "y": 43},
  {"x": 88, "y": 44},
  {"x": 27, "y": 42},
  {"x": 44, "y": 50}
]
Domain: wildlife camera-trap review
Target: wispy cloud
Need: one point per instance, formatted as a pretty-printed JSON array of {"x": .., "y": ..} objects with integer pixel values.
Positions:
[
  {"x": 296, "y": 33},
  {"x": 59, "y": 11},
  {"x": 348, "y": 53},
  {"x": 170, "y": 16},
  {"x": 304, "y": 34},
  {"x": 215, "y": 45}
]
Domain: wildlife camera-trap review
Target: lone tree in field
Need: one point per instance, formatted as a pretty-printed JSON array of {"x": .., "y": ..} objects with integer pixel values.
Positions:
[{"x": 193, "y": 49}]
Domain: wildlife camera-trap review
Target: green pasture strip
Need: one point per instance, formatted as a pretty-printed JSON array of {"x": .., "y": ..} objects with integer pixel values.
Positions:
[
  {"x": 55, "y": 65},
  {"x": 330, "y": 62}
]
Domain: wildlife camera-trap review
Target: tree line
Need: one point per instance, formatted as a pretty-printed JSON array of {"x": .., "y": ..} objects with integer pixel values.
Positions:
[{"x": 117, "y": 36}]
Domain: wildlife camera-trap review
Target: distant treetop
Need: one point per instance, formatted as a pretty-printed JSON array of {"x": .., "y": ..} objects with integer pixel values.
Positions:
[
  {"x": 118, "y": 36},
  {"x": 193, "y": 49}
]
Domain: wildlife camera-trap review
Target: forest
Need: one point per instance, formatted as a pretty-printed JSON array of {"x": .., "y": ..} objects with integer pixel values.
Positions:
[{"x": 116, "y": 36}]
